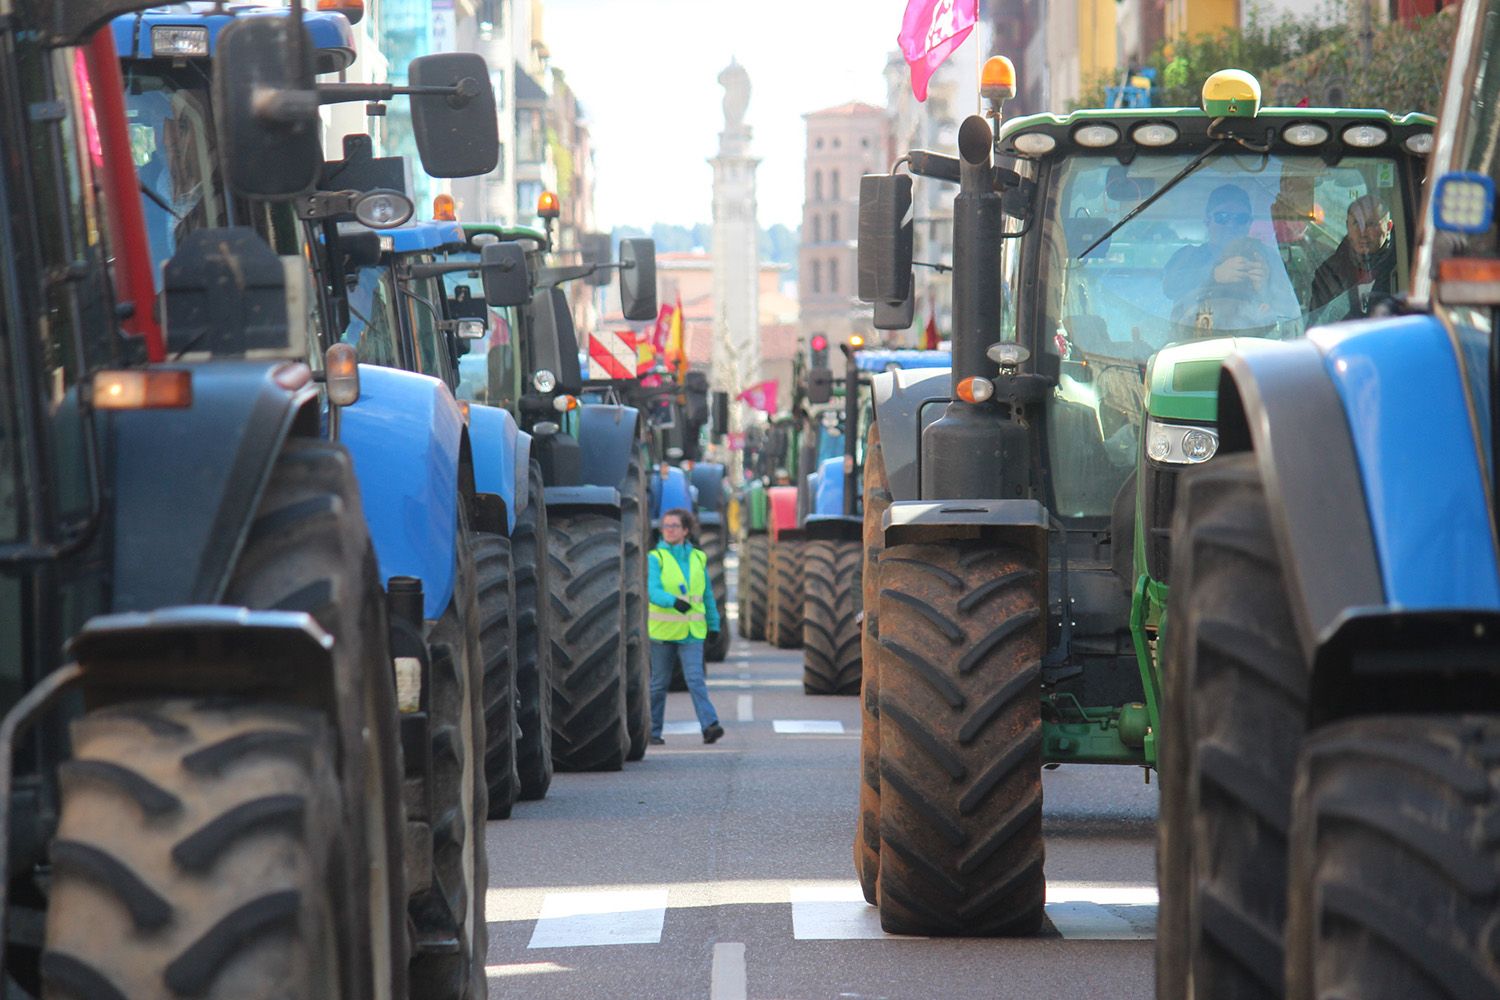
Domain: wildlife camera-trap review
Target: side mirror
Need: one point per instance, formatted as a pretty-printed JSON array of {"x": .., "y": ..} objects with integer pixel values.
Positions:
[
  {"x": 506, "y": 279},
  {"x": 268, "y": 110},
  {"x": 596, "y": 249},
  {"x": 471, "y": 329},
  {"x": 638, "y": 279},
  {"x": 896, "y": 315},
  {"x": 819, "y": 385},
  {"x": 885, "y": 237},
  {"x": 457, "y": 135},
  {"x": 721, "y": 416}
]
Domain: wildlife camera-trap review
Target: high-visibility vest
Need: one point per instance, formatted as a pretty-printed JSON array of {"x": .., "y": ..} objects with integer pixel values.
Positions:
[{"x": 667, "y": 624}]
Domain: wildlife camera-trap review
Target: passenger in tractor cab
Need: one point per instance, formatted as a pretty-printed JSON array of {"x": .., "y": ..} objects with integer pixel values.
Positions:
[{"x": 1363, "y": 263}]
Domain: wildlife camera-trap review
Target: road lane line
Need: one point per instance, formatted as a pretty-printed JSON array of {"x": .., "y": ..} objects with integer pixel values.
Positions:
[
  {"x": 806, "y": 726},
  {"x": 745, "y": 708},
  {"x": 835, "y": 912},
  {"x": 583, "y": 919},
  {"x": 680, "y": 729},
  {"x": 729, "y": 980}
]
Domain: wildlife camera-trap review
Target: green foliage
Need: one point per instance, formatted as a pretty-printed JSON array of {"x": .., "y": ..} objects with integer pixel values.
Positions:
[{"x": 1317, "y": 58}]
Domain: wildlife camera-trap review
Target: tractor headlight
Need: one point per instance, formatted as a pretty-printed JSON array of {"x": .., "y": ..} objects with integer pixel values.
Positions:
[
  {"x": 544, "y": 381},
  {"x": 1180, "y": 444}
]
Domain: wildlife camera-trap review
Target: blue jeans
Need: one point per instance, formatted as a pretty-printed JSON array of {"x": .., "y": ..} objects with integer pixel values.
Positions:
[{"x": 664, "y": 656}]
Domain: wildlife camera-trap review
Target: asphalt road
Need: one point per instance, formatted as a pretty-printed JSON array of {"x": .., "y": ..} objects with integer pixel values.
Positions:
[{"x": 725, "y": 872}]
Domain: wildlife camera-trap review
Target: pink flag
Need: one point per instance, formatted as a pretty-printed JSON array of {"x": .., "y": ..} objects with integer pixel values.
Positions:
[
  {"x": 761, "y": 396},
  {"x": 930, "y": 31}
]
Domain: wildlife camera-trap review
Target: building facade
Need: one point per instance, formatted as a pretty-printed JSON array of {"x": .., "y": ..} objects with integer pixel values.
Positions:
[{"x": 843, "y": 143}]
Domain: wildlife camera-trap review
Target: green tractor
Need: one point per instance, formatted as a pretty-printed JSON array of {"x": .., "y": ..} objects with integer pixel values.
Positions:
[{"x": 1018, "y": 569}]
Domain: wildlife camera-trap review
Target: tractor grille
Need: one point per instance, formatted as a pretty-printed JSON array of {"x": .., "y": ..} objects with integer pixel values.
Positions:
[{"x": 1160, "y": 493}]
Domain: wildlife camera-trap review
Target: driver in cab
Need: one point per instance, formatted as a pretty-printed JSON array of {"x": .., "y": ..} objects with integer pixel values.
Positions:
[{"x": 1225, "y": 283}]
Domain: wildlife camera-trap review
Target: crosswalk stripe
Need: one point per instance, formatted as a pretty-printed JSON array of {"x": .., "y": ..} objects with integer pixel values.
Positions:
[
  {"x": 583, "y": 919},
  {"x": 807, "y": 726},
  {"x": 729, "y": 980},
  {"x": 745, "y": 708}
]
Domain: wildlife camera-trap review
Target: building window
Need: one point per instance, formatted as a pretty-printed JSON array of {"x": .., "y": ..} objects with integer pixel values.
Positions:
[
  {"x": 817, "y": 185},
  {"x": 817, "y": 229},
  {"x": 835, "y": 144},
  {"x": 819, "y": 143},
  {"x": 817, "y": 277},
  {"x": 833, "y": 275},
  {"x": 833, "y": 228},
  {"x": 833, "y": 185},
  {"x": 864, "y": 143}
]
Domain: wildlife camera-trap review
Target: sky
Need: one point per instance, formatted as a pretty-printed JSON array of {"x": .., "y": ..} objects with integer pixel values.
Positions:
[{"x": 646, "y": 72}]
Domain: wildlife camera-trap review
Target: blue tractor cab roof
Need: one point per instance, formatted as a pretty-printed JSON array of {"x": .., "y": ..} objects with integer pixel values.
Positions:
[
  {"x": 879, "y": 361},
  {"x": 331, "y": 34},
  {"x": 419, "y": 237}
]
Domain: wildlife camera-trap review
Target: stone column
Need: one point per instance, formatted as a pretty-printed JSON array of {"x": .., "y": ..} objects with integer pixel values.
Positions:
[{"x": 736, "y": 249}]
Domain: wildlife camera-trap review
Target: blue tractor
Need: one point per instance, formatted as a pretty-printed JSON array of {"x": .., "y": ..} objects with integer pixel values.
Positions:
[
  {"x": 222, "y": 105},
  {"x": 1330, "y": 760}
]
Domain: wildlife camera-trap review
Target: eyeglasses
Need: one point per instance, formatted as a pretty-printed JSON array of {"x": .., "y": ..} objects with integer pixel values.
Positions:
[
  {"x": 1230, "y": 218},
  {"x": 672, "y": 526}
]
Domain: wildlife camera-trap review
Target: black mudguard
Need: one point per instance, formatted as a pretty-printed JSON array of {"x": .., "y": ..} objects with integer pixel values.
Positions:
[
  {"x": 187, "y": 482},
  {"x": 905, "y": 403},
  {"x": 1277, "y": 399}
]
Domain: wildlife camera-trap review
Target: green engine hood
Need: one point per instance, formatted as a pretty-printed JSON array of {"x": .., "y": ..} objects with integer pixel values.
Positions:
[{"x": 1182, "y": 380}]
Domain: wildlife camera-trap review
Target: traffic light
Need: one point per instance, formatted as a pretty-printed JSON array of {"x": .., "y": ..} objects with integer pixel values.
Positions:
[{"x": 819, "y": 355}]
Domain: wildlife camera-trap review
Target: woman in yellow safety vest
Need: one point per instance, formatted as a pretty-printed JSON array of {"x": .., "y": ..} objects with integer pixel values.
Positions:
[{"x": 682, "y": 616}]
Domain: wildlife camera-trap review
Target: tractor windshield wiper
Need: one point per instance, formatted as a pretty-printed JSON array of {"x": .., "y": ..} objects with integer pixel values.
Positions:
[
  {"x": 1156, "y": 195},
  {"x": 160, "y": 202}
]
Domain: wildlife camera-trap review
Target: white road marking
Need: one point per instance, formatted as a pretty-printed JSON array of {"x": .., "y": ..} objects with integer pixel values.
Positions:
[
  {"x": 523, "y": 969},
  {"x": 745, "y": 708},
  {"x": 804, "y": 726},
  {"x": 835, "y": 912},
  {"x": 729, "y": 980},
  {"x": 681, "y": 729},
  {"x": 581, "y": 919}
]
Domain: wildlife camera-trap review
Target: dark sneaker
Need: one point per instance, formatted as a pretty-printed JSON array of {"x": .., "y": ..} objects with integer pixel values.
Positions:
[
  {"x": 712, "y": 733},
  {"x": 657, "y": 741}
]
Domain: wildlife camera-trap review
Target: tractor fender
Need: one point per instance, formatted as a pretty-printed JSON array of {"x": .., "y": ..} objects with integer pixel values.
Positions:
[
  {"x": 406, "y": 437},
  {"x": 756, "y": 507},
  {"x": 783, "y": 510},
  {"x": 905, "y": 403},
  {"x": 607, "y": 435},
  {"x": 828, "y": 488},
  {"x": 833, "y": 528},
  {"x": 604, "y": 499},
  {"x": 1013, "y": 522},
  {"x": 708, "y": 479},
  {"x": 670, "y": 489},
  {"x": 189, "y": 483},
  {"x": 494, "y": 440},
  {"x": 164, "y": 649},
  {"x": 1387, "y": 574}
]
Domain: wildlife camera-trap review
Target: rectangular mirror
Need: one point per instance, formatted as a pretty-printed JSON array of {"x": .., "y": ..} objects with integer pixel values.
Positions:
[
  {"x": 502, "y": 266},
  {"x": 638, "y": 279},
  {"x": 721, "y": 415},
  {"x": 885, "y": 237},
  {"x": 457, "y": 136},
  {"x": 895, "y": 315},
  {"x": 267, "y": 110}
]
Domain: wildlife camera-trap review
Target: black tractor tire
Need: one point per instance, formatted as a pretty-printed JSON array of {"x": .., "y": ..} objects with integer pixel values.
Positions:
[
  {"x": 528, "y": 553},
  {"x": 867, "y": 821},
  {"x": 784, "y": 628},
  {"x": 832, "y": 595},
  {"x": 755, "y": 572},
  {"x": 712, "y": 540},
  {"x": 1226, "y": 774},
  {"x": 460, "y": 866},
  {"x": 198, "y": 853},
  {"x": 635, "y": 534},
  {"x": 961, "y": 640},
  {"x": 497, "y": 647},
  {"x": 589, "y": 708},
  {"x": 308, "y": 549},
  {"x": 1395, "y": 860}
]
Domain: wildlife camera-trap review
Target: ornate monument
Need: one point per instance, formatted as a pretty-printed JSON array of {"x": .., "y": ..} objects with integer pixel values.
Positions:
[{"x": 736, "y": 249}]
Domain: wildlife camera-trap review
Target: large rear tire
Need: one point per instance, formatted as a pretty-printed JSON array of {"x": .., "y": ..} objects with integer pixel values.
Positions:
[
  {"x": 589, "y": 709},
  {"x": 528, "y": 551},
  {"x": 755, "y": 570},
  {"x": 711, "y": 539},
  {"x": 867, "y": 823},
  {"x": 784, "y": 630},
  {"x": 1395, "y": 860},
  {"x": 497, "y": 648},
  {"x": 961, "y": 639},
  {"x": 1226, "y": 774},
  {"x": 635, "y": 532},
  {"x": 198, "y": 853},
  {"x": 832, "y": 595}
]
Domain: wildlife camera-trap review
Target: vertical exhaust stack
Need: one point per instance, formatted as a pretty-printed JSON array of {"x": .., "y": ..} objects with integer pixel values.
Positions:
[{"x": 977, "y": 224}]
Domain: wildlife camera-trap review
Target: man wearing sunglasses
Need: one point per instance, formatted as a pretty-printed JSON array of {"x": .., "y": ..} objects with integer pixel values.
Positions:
[
  {"x": 1362, "y": 264},
  {"x": 1223, "y": 259}
]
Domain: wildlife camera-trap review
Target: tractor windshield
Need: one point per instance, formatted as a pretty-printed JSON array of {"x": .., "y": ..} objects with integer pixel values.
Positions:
[
  {"x": 1246, "y": 246},
  {"x": 172, "y": 141},
  {"x": 487, "y": 372}
]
